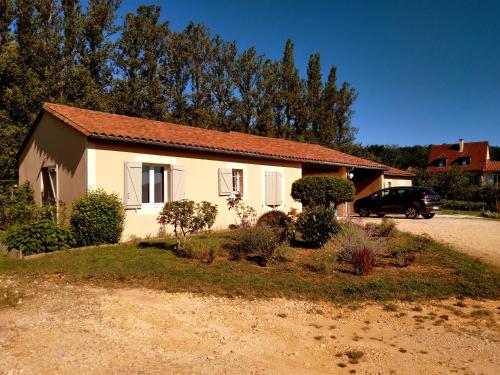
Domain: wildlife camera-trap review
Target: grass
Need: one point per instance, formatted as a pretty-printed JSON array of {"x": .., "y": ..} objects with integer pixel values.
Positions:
[
  {"x": 438, "y": 272},
  {"x": 447, "y": 211}
]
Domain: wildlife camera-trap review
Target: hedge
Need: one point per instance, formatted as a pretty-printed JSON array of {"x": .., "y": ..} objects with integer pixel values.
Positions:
[{"x": 464, "y": 205}]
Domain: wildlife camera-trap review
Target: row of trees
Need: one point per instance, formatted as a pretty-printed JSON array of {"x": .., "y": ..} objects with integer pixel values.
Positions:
[{"x": 62, "y": 51}]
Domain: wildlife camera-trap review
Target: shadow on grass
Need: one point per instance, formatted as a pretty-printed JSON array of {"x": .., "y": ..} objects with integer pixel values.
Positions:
[{"x": 156, "y": 245}]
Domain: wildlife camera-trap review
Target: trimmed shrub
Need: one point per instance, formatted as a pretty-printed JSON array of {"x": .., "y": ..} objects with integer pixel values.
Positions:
[
  {"x": 257, "y": 240},
  {"x": 97, "y": 218},
  {"x": 323, "y": 190},
  {"x": 317, "y": 225},
  {"x": 39, "y": 237},
  {"x": 278, "y": 221}
]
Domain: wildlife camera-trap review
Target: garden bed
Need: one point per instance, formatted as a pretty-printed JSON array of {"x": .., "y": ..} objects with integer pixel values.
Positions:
[{"x": 438, "y": 271}]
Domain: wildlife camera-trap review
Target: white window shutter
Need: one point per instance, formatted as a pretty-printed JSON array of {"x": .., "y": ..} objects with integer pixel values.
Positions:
[
  {"x": 133, "y": 190},
  {"x": 270, "y": 188},
  {"x": 273, "y": 181},
  {"x": 225, "y": 181},
  {"x": 278, "y": 200},
  {"x": 178, "y": 182}
]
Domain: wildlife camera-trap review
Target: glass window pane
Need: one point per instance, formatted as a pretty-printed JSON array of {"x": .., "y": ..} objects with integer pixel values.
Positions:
[
  {"x": 145, "y": 184},
  {"x": 159, "y": 195}
]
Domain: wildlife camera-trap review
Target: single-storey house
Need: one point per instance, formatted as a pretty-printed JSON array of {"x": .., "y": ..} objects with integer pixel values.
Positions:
[{"x": 70, "y": 151}]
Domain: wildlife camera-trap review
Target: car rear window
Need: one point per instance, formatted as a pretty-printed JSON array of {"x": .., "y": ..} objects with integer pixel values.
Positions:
[{"x": 430, "y": 192}]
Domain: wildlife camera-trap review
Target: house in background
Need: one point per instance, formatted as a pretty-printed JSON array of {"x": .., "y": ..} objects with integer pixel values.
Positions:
[
  {"x": 394, "y": 177},
  {"x": 472, "y": 157},
  {"x": 70, "y": 151}
]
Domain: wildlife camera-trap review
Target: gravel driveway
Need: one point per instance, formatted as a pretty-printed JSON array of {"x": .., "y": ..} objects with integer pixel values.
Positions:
[{"x": 475, "y": 236}]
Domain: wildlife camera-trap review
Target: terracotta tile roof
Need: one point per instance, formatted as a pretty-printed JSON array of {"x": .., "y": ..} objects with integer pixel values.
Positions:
[
  {"x": 492, "y": 166},
  {"x": 101, "y": 124},
  {"x": 477, "y": 151},
  {"x": 398, "y": 172}
]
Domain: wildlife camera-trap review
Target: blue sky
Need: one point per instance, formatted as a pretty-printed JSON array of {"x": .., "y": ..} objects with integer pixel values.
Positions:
[{"x": 426, "y": 71}]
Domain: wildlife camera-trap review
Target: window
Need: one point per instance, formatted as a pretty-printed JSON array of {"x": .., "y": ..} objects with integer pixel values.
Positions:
[
  {"x": 237, "y": 181},
  {"x": 230, "y": 181},
  {"x": 441, "y": 162},
  {"x": 463, "y": 161},
  {"x": 153, "y": 184},
  {"x": 49, "y": 185}
]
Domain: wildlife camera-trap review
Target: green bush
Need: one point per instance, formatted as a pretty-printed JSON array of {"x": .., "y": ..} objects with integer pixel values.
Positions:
[
  {"x": 317, "y": 225},
  {"x": 464, "y": 205},
  {"x": 258, "y": 240},
  {"x": 323, "y": 190},
  {"x": 97, "y": 218},
  {"x": 491, "y": 214},
  {"x": 17, "y": 206},
  {"x": 278, "y": 221},
  {"x": 187, "y": 217},
  {"x": 39, "y": 237},
  {"x": 385, "y": 229}
]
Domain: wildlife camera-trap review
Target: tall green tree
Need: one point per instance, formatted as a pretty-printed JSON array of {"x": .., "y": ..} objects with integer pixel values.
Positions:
[
  {"x": 345, "y": 132},
  {"x": 247, "y": 77},
  {"x": 268, "y": 118},
  {"x": 314, "y": 108},
  {"x": 175, "y": 77},
  {"x": 221, "y": 71},
  {"x": 141, "y": 51},
  {"x": 291, "y": 96},
  {"x": 200, "y": 54},
  {"x": 6, "y": 19}
]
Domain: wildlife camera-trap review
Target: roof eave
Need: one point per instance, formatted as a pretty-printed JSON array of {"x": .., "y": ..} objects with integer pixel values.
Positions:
[{"x": 225, "y": 151}]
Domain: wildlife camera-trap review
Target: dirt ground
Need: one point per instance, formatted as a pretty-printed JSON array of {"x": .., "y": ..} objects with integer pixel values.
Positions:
[
  {"x": 475, "y": 236},
  {"x": 59, "y": 328}
]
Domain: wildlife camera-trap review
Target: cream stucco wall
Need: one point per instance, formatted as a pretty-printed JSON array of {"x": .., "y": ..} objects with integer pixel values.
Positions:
[
  {"x": 106, "y": 171},
  {"x": 395, "y": 181},
  {"x": 54, "y": 144}
]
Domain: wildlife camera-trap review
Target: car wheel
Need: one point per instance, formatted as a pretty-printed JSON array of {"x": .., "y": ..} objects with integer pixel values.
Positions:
[
  {"x": 364, "y": 212},
  {"x": 428, "y": 216},
  {"x": 411, "y": 212}
]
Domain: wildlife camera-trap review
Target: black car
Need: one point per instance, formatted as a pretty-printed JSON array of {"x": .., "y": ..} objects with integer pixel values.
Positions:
[{"x": 411, "y": 201}]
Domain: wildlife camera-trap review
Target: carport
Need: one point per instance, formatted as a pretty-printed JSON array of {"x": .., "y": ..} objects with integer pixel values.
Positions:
[{"x": 366, "y": 180}]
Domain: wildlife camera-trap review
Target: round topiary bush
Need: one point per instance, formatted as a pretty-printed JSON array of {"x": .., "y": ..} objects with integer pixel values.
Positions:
[
  {"x": 317, "y": 225},
  {"x": 97, "y": 218},
  {"x": 323, "y": 190},
  {"x": 278, "y": 221},
  {"x": 39, "y": 237}
]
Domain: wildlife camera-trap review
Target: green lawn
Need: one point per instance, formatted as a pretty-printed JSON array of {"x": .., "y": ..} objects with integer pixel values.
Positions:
[
  {"x": 439, "y": 271},
  {"x": 448, "y": 211}
]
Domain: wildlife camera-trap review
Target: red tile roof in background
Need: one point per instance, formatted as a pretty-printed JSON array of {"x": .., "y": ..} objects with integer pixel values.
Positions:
[
  {"x": 492, "y": 166},
  {"x": 477, "y": 151},
  {"x": 398, "y": 172},
  {"x": 93, "y": 123}
]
